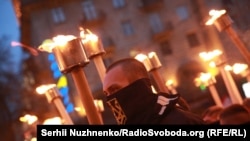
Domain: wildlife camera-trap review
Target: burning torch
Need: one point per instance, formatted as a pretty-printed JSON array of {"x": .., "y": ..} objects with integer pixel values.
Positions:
[
  {"x": 208, "y": 80},
  {"x": 71, "y": 57},
  {"x": 224, "y": 23},
  {"x": 94, "y": 50},
  {"x": 152, "y": 64},
  {"x": 53, "y": 96}
]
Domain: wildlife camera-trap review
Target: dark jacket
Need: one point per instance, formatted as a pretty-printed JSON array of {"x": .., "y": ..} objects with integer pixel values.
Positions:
[{"x": 137, "y": 104}]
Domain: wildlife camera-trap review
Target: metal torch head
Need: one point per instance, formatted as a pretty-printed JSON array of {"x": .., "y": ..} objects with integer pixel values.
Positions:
[{"x": 71, "y": 55}]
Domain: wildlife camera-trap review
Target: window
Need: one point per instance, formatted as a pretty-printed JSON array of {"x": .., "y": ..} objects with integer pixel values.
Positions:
[
  {"x": 182, "y": 12},
  {"x": 89, "y": 10},
  {"x": 193, "y": 40},
  {"x": 155, "y": 23},
  {"x": 118, "y": 3},
  {"x": 166, "y": 48},
  {"x": 127, "y": 28},
  {"x": 58, "y": 15}
]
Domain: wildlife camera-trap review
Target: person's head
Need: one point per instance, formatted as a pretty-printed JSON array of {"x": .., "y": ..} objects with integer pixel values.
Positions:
[
  {"x": 122, "y": 73},
  {"x": 234, "y": 114},
  {"x": 246, "y": 103},
  {"x": 127, "y": 85},
  {"x": 211, "y": 114}
]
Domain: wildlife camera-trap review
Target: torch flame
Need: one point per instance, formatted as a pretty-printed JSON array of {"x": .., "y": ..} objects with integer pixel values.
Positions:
[
  {"x": 210, "y": 55},
  {"x": 59, "y": 40},
  {"x": 87, "y": 36},
  {"x": 43, "y": 88},
  {"x": 215, "y": 14}
]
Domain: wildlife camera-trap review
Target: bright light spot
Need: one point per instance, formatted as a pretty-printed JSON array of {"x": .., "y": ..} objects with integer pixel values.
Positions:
[
  {"x": 215, "y": 14},
  {"x": 53, "y": 121},
  {"x": 28, "y": 118},
  {"x": 44, "y": 88},
  {"x": 228, "y": 68},
  {"x": 59, "y": 40},
  {"x": 33, "y": 139},
  {"x": 145, "y": 60},
  {"x": 87, "y": 35},
  {"x": 206, "y": 56},
  {"x": 212, "y": 64},
  {"x": 246, "y": 89},
  {"x": 239, "y": 68},
  {"x": 99, "y": 105},
  {"x": 141, "y": 57},
  {"x": 205, "y": 77}
]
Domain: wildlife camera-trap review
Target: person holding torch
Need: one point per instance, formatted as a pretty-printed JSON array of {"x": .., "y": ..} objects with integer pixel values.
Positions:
[{"x": 130, "y": 96}]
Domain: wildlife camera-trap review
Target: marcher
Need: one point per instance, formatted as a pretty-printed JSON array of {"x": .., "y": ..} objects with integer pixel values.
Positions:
[
  {"x": 246, "y": 103},
  {"x": 129, "y": 94},
  {"x": 235, "y": 114},
  {"x": 211, "y": 114}
]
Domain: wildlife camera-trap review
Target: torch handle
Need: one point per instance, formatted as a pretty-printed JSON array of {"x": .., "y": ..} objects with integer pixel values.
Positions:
[
  {"x": 159, "y": 81},
  {"x": 99, "y": 66},
  {"x": 239, "y": 44},
  {"x": 85, "y": 94},
  {"x": 230, "y": 85},
  {"x": 57, "y": 101},
  {"x": 215, "y": 95}
]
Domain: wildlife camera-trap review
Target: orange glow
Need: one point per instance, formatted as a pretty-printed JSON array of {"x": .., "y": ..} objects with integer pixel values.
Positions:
[{"x": 170, "y": 83}]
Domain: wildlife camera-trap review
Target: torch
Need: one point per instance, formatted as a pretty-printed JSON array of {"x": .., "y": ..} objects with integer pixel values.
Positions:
[
  {"x": 53, "y": 96},
  {"x": 223, "y": 22},
  {"x": 207, "y": 80},
  {"x": 71, "y": 57},
  {"x": 232, "y": 89},
  {"x": 152, "y": 64},
  {"x": 94, "y": 50},
  {"x": 242, "y": 69}
]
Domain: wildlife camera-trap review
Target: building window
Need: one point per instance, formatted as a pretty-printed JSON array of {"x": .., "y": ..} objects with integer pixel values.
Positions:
[
  {"x": 118, "y": 3},
  {"x": 155, "y": 22},
  {"x": 182, "y": 12},
  {"x": 166, "y": 48},
  {"x": 89, "y": 10},
  {"x": 127, "y": 28},
  {"x": 193, "y": 40},
  {"x": 58, "y": 15}
]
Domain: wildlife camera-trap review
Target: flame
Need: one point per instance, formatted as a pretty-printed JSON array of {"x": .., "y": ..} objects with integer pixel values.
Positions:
[
  {"x": 238, "y": 68},
  {"x": 210, "y": 55},
  {"x": 28, "y": 118},
  {"x": 59, "y": 40},
  {"x": 53, "y": 121},
  {"x": 215, "y": 14},
  {"x": 43, "y": 88},
  {"x": 141, "y": 57},
  {"x": 204, "y": 77},
  {"x": 87, "y": 35}
]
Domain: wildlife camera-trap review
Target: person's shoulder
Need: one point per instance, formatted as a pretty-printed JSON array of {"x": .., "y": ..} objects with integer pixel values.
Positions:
[{"x": 180, "y": 116}]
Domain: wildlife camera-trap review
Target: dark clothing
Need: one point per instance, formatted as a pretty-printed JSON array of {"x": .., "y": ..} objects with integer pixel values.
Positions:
[{"x": 137, "y": 104}]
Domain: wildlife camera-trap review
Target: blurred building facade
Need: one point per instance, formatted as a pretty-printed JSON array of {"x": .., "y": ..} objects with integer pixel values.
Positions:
[{"x": 175, "y": 30}]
